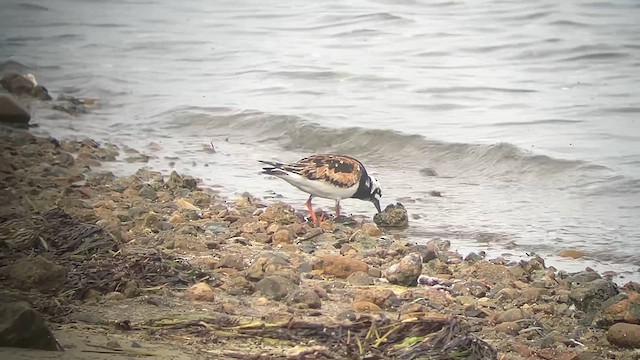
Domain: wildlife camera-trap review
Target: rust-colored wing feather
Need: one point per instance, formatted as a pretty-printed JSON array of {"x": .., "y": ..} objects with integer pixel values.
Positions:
[{"x": 340, "y": 170}]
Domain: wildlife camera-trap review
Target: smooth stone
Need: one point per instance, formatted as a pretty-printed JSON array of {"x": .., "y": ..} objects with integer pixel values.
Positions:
[
  {"x": 12, "y": 113},
  {"x": 406, "y": 272},
  {"x": 624, "y": 335},
  {"x": 23, "y": 327},
  {"x": 275, "y": 287},
  {"x": 201, "y": 292}
]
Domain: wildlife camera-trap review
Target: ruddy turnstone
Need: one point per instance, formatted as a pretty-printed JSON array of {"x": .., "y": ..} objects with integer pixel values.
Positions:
[{"x": 328, "y": 176}]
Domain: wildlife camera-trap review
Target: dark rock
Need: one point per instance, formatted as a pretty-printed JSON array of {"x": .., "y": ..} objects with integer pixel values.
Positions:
[
  {"x": 176, "y": 182},
  {"x": 131, "y": 289},
  {"x": 37, "y": 273},
  {"x": 406, "y": 272},
  {"x": 12, "y": 113},
  {"x": 624, "y": 335},
  {"x": 392, "y": 216},
  {"x": 360, "y": 278},
  {"x": 624, "y": 307},
  {"x": 428, "y": 172},
  {"x": 305, "y": 298},
  {"x": 23, "y": 327},
  {"x": 17, "y": 84},
  {"x": 275, "y": 287},
  {"x": 148, "y": 192},
  {"x": 590, "y": 296},
  {"x": 583, "y": 277}
]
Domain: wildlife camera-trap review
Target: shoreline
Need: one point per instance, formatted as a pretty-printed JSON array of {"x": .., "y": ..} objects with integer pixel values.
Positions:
[{"x": 173, "y": 263}]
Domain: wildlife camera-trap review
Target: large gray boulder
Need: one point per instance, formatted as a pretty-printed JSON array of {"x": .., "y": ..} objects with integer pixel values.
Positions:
[
  {"x": 12, "y": 113},
  {"x": 23, "y": 327}
]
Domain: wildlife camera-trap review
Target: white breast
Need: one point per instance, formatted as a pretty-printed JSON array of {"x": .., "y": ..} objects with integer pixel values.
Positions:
[{"x": 320, "y": 188}]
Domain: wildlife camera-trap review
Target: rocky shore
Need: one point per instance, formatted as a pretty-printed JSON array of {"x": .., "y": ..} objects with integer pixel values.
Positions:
[{"x": 98, "y": 266}]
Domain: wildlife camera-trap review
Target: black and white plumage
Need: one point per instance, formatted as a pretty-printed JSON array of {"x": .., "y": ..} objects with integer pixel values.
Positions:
[{"x": 328, "y": 176}]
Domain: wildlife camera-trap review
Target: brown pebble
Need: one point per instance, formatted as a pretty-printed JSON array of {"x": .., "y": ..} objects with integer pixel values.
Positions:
[
  {"x": 509, "y": 327},
  {"x": 365, "y": 306},
  {"x": 371, "y": 229},
  {"x": 569, "y": 253},
  {"x": 624, "y": 335},
  {"x": 340, "y": 266},
  {"x": 201, "y": 292},
  {"x": 511, "y": 315},
  {"x": 282, "y": 236},
  {"x": 114, "y": 296}
]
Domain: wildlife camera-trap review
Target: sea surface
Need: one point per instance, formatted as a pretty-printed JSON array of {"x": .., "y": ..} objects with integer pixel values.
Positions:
[{"x": 528, "y": 112}]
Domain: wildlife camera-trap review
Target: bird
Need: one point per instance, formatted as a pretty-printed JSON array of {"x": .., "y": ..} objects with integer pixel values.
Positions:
[{"x": 329, "y": 176}]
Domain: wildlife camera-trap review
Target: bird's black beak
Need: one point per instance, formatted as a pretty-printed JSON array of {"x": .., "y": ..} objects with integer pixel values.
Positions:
[{"x": 376, "y": 203}]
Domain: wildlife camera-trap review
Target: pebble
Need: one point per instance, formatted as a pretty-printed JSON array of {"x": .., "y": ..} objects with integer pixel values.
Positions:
[
  {"x": 573, "y": 254},
  {"x": 508, "y": 327},
  {"x": 201, "y": 292},
  {"x": 360, "y": 278},
  {"x": 624, "y": 335},
  {"x": 365, "y": 306},
  {"x": 511, "y": 315},
  {"x": 275, "y": 287},
  {"x": 406, "y": 272},
  {"x": 339, "y": 266}
]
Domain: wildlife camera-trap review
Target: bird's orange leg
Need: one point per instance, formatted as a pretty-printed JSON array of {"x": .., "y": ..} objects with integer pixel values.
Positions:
[{"x": 311, "y": 212}]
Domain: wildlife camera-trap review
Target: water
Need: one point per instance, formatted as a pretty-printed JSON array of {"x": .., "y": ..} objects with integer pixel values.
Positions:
[{"x": 527, "y": 111}]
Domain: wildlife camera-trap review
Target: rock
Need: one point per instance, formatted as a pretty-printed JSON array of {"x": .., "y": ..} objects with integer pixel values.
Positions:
[
  {"x": 271, "y": 264},
  {"x": 494, "y": 273},
  {"x": 589, "y": 296},
  {"x": 392, "y": 216},
  {"x": 200, "y": 292},
  {"x": 114, "y": 296},
  {"x": 511, "y": 315},
  {"x": 511, "y": 328},
  {"x": 573, "y": 254},
  {"x": 360, "y": 278},
  {"x": 275, "y": 287},
  {"x": 428, "y": 172},
  {"x": 339, "y": 266},
  {"x": 624, "y": 335},
  {"x": 583, "y": 277},
  {"x": 184, "y": 204},
  {"x": 12, "y": 113},
  {"x": 371, "y": 229},
  {"x": 624, "y": 307},
  {"x": 24, "y": 85},
  {"x": 305, "y": 298},
  {"x": 365, "y": 306},
  {"x": 283, "y": 236},
  {"x": 382, "y": 297},
  {"x": 238, "y": 285},
  {"x": 232, "y": 261},
  {"x": 131, "y": 289},
  {"x": 148, "y": 192},
  {"x": 406, "y": 272},
  {"x": 37, "y": 273},
  {"x": 152, "y": 222},
  {"x": 23, "y": 327},
  {"x": 279, "y": 213},
  {"x": 176, "y": 182}
]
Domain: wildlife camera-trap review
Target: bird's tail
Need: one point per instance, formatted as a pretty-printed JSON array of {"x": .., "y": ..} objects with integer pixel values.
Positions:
[{"x": 274, "y": 168}]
